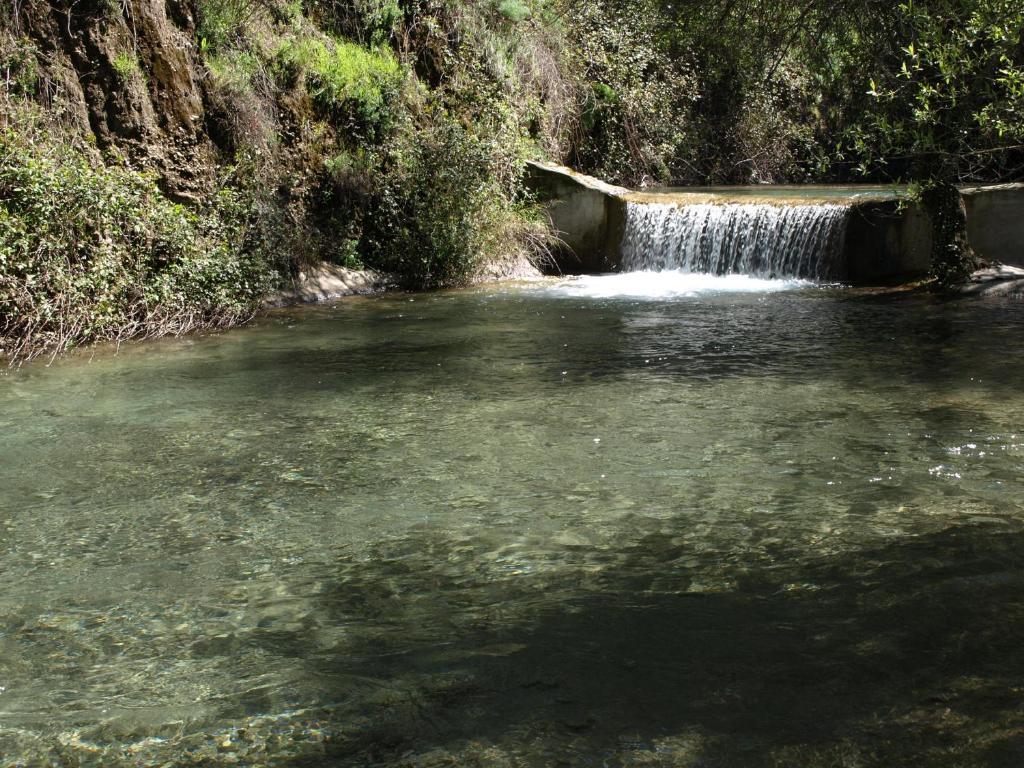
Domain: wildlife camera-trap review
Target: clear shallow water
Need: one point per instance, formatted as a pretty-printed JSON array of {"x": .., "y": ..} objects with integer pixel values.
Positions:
[{"x": 523, "y": 527}]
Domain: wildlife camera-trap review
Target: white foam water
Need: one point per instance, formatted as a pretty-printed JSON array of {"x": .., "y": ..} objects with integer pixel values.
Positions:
[
  {"x": 668, "y": 284},
  {"x": 755, "y": 239}
]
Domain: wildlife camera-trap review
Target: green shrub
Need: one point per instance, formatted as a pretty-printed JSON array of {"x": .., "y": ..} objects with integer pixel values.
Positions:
[
  {"x": 633, "y": 112},
  {"x": 19, "y": 68},
  {"x": 444, "y": 210},
  {"x": 358, "y": 87},
  {"x": 234, "y": 69},
  {"x": 514, "y": 10},
  {"x": 222, "y": 23},
  {"x": 368, "y": 21},
  {"x": 241, "y": 103},
  {"x": 380, "y": 18},
  {"x": 347, "y": 254},
  {"x": 126, "y": 65},
  {"x": 91, "y": 252}
]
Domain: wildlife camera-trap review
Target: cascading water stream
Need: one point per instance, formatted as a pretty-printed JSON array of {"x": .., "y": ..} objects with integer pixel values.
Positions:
[{"x": 756, "y": 239}]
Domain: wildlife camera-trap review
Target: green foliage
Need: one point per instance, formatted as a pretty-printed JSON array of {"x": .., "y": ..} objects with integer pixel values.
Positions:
[
  {"x": 348, "y": 255},
  {"x": 96, "y": 252},
  {"x": 768, "y": 90},
  {"x": 356, "y": 86},
  {"x": 435, "y": 214},
  {"x": 951, "y": 103},
  {"x": 126, "y": 65},
  {"x": 636, "y": 96},
  {"x": 351, "y": 168},
  {"x": 234, "y": 69},
  {"x": 223, "y": 23},
  {"x": 241, "y": 103},
  {"x": 19, "y": 68},
  {"x": 514, "y": 10},
  {"x": 371, "y": 22},
  {"x": 760, "y": 81}
]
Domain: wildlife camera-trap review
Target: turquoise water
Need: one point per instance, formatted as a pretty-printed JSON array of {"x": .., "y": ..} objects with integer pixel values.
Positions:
[{"x": 715, "y": 523}]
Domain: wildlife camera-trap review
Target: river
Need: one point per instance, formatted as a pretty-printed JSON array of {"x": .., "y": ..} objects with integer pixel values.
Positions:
[{"x": 638, "y": 521}]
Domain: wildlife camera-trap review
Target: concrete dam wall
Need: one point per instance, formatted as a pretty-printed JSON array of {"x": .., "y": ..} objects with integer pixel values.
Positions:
[{"x": 854, "y": 234}]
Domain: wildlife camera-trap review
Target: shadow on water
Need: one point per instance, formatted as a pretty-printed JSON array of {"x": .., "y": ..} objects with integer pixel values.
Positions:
[
  {"x": 905, "y": 654},
  {"x": 536, "y": 619}
]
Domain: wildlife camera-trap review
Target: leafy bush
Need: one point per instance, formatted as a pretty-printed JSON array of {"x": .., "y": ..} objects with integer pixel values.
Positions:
[
  {"x": 442, "y": 210},
  {"x": 97, "y": 252},
  {"x": 514, "y": 10},
  {"x": 636, "y": 97},
  {"x": 222, "y": 23},
  {"x": 949, "y": 106},
  {"x": 241, "y": 102},
  {"x": 234, "y": 69},
  {"x": 19, "y": 69},
  {"x": 371, "y": 22},
  {"x": 356, "y": 86}
]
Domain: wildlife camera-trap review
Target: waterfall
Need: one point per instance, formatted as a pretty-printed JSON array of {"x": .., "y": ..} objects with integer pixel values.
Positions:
[{"x": 757, "y": 239}]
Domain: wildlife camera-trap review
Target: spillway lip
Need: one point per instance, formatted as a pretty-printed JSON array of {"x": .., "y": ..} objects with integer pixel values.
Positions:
[{"x": 777, "y": 195}]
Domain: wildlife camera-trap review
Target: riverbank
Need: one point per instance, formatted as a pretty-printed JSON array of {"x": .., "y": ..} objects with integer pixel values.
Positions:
[
  {"x": 326, "y": 282},
  {"x": 321, "y": 284},
  {"x": 93, "y": 250},
  {"x": 165, "y": 166}
]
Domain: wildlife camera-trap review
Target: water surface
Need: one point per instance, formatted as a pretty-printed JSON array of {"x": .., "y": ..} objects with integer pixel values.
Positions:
[{"x": 718, "y": 523}]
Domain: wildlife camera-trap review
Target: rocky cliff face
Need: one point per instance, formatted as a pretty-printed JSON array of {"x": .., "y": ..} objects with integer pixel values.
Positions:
[
  {"x": 321, "y": 126},
  {"x": 127, "y": 74}
]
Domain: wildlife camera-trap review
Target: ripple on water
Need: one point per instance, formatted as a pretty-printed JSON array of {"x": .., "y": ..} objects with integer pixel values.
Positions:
[{"x": 514, "y": 529}]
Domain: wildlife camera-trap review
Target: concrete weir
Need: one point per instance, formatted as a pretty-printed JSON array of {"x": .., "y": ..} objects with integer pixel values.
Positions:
[
  {"x": 856, "y": 234},
  {"x": 589, "y": 215}
]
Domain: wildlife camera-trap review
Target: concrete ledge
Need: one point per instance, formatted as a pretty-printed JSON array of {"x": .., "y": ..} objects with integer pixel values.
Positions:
[
  {"x": 886, "y": 241},
  {"x": 588, "y": 215},
  {"x": 887, "y": 238}
]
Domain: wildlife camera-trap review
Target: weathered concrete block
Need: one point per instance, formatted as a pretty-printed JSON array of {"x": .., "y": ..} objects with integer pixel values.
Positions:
[
  {"x": 995, "y": 222},
  {"x": 886, "y": 240},
  {"x": 589, "y": 216}
]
